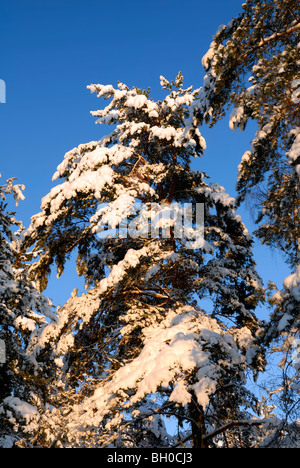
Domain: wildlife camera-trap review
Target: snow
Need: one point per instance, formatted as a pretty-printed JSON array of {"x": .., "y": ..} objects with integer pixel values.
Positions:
[
  {"x": 90, "y": 169},
  {"x": 179, "y": 136},
  {"x": 217, "y": 193},
  {"x": 137, "y": 101},
  {"x": 82, "y": 308},
  {"x": 18, "y": 193},
  {"x": 204, "y": 389},
  {"x": 180, "y": 343},
  {"x": 181, "y": 394},
  {"x": 284, "y": 322},
  {"x": 209, "y": 55},
  {"x": 164, "y": 82},
  {"x": 103, "y": 91},
  {"x": 7, "y": 442},
  {"x": 292, "y": 284},
  {"x": 115, "y": 214},
  {"x": 251, "y": 90},
  {"x": 24, "y": 323},
  {"x": 25, "y": 410},
  {"x": 90, "y": 181},
  {"x": 244, "y": 162},
  {"x": 236, "y": 117},
  {"x": 110, "y": 118},
  {"x": 164, "y": 133},
  {"x": 294, "y": 153}
]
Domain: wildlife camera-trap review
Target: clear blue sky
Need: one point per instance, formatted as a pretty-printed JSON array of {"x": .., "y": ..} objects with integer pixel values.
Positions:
[{"x": 52, "y": 49}]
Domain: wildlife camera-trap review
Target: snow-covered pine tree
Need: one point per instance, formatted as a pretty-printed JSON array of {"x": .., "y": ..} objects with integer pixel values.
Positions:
[
  {"x": 139, "y": 346},
  {"x": 22, "y": 312},
  {"x": 254, "y": 64}
]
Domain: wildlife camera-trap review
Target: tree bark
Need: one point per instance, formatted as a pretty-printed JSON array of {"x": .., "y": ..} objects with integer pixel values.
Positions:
[{"x": 198, "y": 424}]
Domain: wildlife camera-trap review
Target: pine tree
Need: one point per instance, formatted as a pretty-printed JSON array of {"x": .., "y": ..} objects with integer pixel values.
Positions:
[
  {"x": 139, "y": 348},
  {"x": 262, "y": 48},
  {"x": 264, "y": 42},
  {"x": 22, "y": 312}
]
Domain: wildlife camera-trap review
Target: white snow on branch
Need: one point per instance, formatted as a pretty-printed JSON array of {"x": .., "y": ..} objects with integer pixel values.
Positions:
[{"x": 180, "y": 343}]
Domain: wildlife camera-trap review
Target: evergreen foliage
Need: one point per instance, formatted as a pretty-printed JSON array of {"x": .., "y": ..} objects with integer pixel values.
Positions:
[
  {"x": 262, "y": 47},
  {"x": 23, "y": 310},
  {"x": 158, "y": 350},
  {"x": 139, "y": 346}
]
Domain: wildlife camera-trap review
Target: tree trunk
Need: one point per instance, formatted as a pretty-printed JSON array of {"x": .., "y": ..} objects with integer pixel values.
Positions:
[{"x": 198, "y": 424}]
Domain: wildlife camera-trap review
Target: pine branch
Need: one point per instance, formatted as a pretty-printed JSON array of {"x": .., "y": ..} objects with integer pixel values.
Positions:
[
  {"x": 221, "y": 430},
  {"x": 277, "y": 35},
  {"x": 231, "y": 425}
]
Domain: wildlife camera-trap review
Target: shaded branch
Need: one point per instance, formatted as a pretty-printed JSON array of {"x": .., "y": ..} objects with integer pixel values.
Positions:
[{"x": 221, "y": 430}]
